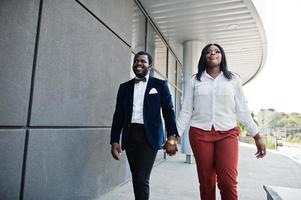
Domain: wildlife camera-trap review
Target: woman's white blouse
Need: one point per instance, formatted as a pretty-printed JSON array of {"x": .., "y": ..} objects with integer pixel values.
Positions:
[{"x": 215, "y": 102}]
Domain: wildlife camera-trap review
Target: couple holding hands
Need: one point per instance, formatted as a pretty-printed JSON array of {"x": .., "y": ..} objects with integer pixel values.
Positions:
[{"x": 212, "y": 104}]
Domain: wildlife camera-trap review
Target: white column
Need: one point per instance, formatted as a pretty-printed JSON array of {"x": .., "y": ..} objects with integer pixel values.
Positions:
[{"x": 191, "y": 55}]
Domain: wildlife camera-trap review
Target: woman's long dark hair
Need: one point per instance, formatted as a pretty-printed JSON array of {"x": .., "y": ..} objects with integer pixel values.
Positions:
[{"x": 202, "y": 63}]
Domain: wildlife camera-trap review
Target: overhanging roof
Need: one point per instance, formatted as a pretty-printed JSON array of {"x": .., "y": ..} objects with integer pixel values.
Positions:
[{"x": 234, "y": 24}]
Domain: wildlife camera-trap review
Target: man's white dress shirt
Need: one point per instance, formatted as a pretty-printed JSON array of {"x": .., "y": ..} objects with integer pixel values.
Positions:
[
  {"x": 138, "y": 100},
  {"x": 215, "y": 102}
]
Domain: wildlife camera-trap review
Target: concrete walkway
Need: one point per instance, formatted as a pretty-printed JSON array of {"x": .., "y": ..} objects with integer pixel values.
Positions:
[{"x": 176, "y": 180}]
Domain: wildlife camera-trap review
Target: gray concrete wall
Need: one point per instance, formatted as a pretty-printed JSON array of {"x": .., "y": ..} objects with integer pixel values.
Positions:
[
  {"x": 70, "y": 164},
  {"x": 77, "y": 61},
  {"x": 61, "y": 62},
  {"x": 11, "y": 154},
  {"x": 114, "y": 13},
  {"x": 70, "y": 100},
  {"x": 18, "y": 25}
]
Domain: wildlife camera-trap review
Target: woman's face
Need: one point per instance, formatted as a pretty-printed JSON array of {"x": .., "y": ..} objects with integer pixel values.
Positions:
[{"x": 213, "y": 56}]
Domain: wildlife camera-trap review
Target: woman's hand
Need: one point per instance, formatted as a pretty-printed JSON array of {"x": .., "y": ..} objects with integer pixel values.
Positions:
[{"x": 170, "y": 146}]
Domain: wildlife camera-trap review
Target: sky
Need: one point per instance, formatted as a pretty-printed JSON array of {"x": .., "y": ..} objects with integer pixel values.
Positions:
[{"x": 278, "y": 85}]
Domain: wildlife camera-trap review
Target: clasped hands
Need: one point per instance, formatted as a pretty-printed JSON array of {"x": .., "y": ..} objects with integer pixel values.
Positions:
[{"x": 170, "y": 145}]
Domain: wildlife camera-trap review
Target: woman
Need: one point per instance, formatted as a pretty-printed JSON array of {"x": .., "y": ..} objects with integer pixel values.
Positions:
[{"x": 214, "y": 99}]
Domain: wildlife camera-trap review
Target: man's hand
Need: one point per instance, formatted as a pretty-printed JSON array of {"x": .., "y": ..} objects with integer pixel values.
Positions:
[
  {"x": 261, "y": 150},
  {"x": 170, "y": 146},
  {"x": 116, "y": 151}
]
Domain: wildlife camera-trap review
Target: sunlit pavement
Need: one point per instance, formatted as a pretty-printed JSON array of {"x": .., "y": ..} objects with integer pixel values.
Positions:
[
  {"x": 292, "y": 151},
  {"x": 174, "y": 179}
]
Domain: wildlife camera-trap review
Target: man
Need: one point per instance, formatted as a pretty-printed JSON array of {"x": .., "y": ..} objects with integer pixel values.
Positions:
[{"x": 137, "y": 116}]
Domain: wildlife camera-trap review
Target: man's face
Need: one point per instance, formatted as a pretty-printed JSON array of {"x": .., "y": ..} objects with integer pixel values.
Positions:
[{"x": 141, "y": 65}]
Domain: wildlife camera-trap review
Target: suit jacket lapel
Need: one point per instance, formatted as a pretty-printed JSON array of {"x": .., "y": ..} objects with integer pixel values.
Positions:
[
  {"x": 131, "y": 95},
  {"x": 148, "y": 88}
]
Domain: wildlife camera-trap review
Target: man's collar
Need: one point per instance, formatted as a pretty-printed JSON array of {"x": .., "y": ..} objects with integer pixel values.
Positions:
[
  {"x": 143, "y": 79},
  {"x": 147, "y": 77}
]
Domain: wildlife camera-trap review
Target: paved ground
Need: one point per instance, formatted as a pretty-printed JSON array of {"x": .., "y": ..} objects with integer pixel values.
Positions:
[
  {"x": 291, "y": 150},
  {"x": 174, "y": 179}
]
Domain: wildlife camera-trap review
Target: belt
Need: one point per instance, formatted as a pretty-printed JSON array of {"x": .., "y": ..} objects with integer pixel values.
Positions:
[{"x": 136, "y": 125}]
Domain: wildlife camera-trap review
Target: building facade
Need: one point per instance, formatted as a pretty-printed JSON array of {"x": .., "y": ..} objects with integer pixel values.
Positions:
[{"x": 61, "y": 62}]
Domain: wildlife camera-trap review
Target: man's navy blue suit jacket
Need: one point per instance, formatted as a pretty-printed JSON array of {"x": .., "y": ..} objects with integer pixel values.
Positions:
[{"x": 151, "y": 113}]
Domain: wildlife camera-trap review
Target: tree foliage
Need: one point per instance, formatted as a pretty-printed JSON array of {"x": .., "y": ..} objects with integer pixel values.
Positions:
[{"x": 280, "y": 119}]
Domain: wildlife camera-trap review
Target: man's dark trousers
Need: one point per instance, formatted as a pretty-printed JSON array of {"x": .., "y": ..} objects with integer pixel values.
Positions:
[{"x": 141, "y": 158}]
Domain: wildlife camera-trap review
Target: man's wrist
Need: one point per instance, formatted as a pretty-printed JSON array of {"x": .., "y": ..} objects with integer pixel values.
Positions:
[
  {"x": 174, "y": 136},
  {"x": 172, "y": 141}
]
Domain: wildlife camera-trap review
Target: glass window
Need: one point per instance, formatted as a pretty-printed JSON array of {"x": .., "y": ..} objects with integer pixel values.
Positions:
[
  {"x": 150, "y": 40},
  {"x": 138, "y": 30},
  {"x": 158, "y": 50},
  {"x": 179, "y": 75},
  {"x": 179, "y": 90},
  {"x": 158, "y": 75},
  {"x": 178, "y": 102},
  {"x": 172, "y": 71},
  {"x": 172, "y": 90},
  {"x": 132, "y": 75}
]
